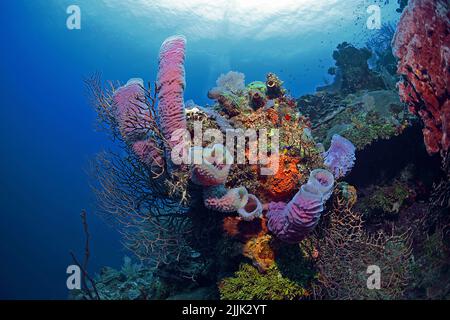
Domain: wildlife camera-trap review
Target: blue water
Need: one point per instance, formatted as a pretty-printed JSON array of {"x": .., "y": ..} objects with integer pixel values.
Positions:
[{"x": 47, "y": 125}]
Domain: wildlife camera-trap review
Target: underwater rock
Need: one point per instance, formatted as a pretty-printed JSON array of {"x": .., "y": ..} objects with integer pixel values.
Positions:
[
  {"x": 171, "y": 84},
  {"x": 321, "y": 106},
  {"x": 362, "y": 118},
  {"x": 340, "y": 157},
  {"x": 352, "y": 71},
  {"x": 422, "y": 45},
  {"x": 293, "y": 221}
]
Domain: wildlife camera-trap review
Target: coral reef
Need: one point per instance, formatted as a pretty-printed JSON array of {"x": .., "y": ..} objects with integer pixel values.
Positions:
[
  {"x": 422, "y": 45},
  {"x": 246, "y": 217}
]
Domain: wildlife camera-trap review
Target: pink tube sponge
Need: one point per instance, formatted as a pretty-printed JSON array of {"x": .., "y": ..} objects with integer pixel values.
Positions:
[
  {"x": 148, "y": 153},
  {"x": 220, "y": 199},
  {"x": 131, "y": 112},
  {"x": 212, "y": 167},
  {"x": 292, "y": 222},
  {"x": 171, "y": 84},
  {"x": 340, "y": 157}
]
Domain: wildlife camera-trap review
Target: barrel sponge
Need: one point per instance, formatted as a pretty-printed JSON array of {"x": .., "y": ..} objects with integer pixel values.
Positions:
[
  {"x": 292, "y": 222},
  {"x": 171, "y": 84},
  {"x": 252, "y": 209},
  {"x": 220, "y": 199},
  {"x": 148, "y": 153},
  {"x": 214, "y": 167},
  {"x": 130, "y": 111},
  {"x": 340, "y": 157}
]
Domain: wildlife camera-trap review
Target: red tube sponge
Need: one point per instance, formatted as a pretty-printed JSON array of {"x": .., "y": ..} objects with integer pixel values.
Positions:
[{"x": 422, "y": 45}]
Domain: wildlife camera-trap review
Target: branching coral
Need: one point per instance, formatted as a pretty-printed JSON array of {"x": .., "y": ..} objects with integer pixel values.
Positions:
[{"x": 422, "y": 45}]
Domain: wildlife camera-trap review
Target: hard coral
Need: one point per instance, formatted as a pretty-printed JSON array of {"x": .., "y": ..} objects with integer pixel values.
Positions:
[
  {"x": 352, "y": 71},
  {"x": 422, "y": 45}
]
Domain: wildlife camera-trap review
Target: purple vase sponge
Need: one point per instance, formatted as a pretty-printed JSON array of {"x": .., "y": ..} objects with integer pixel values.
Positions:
[
  {"x": 340, "y": 157},
  {"x": 292, "y": 222}
]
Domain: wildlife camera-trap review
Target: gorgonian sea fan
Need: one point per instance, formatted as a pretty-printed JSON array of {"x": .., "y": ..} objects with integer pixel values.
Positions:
[
  {"x": 131, "y": 112},
  {"x": 340, "y": 157}
]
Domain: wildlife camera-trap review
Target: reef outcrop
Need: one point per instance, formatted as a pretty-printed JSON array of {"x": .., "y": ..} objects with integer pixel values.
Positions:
[
  {"x": 260, "y": 209},
  {"x": 422, "y": 45}
]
